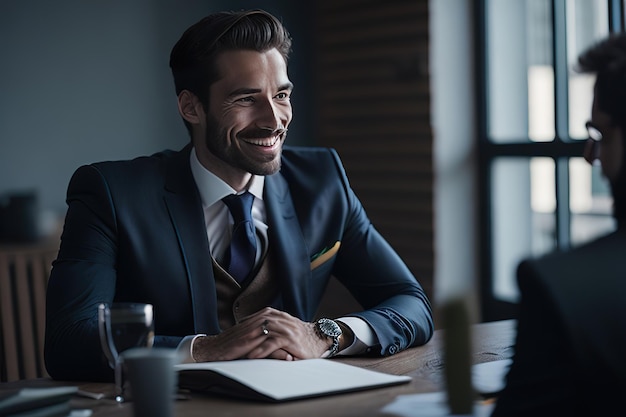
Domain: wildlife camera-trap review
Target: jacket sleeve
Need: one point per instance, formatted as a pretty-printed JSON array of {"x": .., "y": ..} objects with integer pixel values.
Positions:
[
  {"x": 82, "y": 276},
  {"x": 395, "y": 304}
]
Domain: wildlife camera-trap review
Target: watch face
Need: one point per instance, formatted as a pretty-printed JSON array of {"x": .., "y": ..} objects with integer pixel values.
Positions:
[{"x": 329, "y": 327}]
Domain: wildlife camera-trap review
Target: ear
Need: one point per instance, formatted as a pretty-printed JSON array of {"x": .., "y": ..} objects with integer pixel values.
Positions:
[{"x": 190, "y": 108}]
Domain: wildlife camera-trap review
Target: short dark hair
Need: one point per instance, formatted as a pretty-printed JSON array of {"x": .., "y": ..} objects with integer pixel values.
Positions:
[
  {"x": 193, "y": 58},
  {"x": 607, "y": 59}
]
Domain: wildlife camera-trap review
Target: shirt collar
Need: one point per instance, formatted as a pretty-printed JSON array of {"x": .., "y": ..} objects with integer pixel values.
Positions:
[{"x": 212, "y": 188}]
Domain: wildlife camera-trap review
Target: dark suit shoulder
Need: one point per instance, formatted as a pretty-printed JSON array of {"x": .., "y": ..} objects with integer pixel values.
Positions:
[
  {"x": 582, "y": 280},
  {"x": 142, "y": 169},
  {"x": 600, "y": 254},
  {"x": 308, "y": 170},
  {"x": 132, "y": 181},
  {"x": 309, "y": 158},
  {"x": 138, "y": 165},
  {"x": 585, "y": 284}
]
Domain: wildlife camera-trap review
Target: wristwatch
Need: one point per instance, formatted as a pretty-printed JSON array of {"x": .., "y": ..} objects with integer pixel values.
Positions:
[{"x": 329, "y": 328}]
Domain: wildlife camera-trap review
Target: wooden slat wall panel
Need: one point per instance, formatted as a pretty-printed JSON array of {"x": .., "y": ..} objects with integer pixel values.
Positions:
[{"x": 373, "y": 104}]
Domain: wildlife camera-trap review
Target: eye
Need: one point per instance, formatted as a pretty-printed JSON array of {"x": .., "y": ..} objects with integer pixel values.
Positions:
[
  {"x": 247, "y": 99},
  {"x": 282, "y": 96}
]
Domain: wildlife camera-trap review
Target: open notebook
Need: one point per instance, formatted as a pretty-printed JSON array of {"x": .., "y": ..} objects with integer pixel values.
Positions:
[{"x": 276, "y": 380}]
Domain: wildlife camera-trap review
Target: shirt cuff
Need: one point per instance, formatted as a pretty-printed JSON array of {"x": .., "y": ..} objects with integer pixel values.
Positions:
[
  {"x": 183, "y": 350},
  {"x": 364, "y": 336}
]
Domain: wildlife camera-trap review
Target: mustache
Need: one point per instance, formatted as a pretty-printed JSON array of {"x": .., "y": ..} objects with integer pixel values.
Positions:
[{"x": 261, "y": 133}]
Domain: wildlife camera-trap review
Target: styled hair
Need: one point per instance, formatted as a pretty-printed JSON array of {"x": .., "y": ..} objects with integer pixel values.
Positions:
[
  {"x": 193, "y": 58},
  {"x": 607, "y": 59}
]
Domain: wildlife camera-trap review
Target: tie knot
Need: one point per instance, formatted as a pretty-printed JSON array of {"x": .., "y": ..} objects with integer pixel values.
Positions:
[{"x": 240, "y": 206}]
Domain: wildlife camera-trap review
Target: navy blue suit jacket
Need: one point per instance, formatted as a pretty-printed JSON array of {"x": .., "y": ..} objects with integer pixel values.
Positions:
[
  {"x": 134, "y": 231},
  {"x": 570, "y": 352}
]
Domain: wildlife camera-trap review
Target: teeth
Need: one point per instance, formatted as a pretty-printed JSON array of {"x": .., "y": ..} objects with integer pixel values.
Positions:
[{"x": 263, "y": 142}]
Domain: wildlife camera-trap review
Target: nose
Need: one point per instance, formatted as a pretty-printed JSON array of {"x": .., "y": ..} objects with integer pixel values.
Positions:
[
  {"x": 273, "y": 116},
  {"x": 592, "y": 151}
]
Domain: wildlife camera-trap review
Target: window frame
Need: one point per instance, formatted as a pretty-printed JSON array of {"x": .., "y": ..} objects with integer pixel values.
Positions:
[{"x": 561, "y": 149}]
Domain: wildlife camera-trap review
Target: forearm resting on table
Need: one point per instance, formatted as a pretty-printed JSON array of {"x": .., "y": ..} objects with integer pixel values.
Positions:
[{"x": 357, "y": 338}]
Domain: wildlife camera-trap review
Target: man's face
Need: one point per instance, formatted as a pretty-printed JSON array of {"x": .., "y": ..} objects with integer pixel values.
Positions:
[
  {"x": 611, "y": 146},
  {"x": 249, "y": 111}
]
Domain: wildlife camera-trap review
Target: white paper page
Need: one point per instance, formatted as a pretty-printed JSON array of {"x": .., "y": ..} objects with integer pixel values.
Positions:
[{"x": 281, "y": 380}]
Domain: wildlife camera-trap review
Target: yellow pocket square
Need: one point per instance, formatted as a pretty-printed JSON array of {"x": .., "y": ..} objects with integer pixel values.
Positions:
[{"x": 324, "y": 255}]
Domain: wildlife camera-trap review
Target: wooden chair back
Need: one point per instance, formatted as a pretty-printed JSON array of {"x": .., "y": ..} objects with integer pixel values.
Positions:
[{"x": 24, "y": 271}]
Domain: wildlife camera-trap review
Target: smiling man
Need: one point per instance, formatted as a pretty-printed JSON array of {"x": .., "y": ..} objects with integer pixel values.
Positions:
[{"x": 234, "y": 238}]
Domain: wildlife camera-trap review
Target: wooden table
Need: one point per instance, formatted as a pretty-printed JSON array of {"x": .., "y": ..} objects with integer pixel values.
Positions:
[{"x": 491, "y": 341}]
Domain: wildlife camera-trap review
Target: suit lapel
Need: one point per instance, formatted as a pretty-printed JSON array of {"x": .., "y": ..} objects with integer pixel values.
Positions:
[
  {"x": 288, "y": 245},
  {"x": 185, "y": 211}
]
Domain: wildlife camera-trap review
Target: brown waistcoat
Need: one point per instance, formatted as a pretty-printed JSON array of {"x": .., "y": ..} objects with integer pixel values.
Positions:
[{"x": 235, "y": 302}]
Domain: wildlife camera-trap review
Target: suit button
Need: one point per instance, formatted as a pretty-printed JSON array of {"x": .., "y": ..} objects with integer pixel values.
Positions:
[
  {"x": 237, "y": 306},
  {"x": 393, "y": 349}
]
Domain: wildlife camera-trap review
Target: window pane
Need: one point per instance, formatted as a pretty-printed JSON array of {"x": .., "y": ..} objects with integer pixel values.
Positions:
[
  {"x": 523, "y": 217},
  {"x": 590, "y": 202},
  {"x": 587, "y": 22},
  {"x": 520, "y": 70}
]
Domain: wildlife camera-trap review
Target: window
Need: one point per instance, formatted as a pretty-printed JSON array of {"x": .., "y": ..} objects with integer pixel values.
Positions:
[{"x": 537, "y": 193}]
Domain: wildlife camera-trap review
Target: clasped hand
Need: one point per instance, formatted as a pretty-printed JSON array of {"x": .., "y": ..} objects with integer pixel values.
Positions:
[{"x": 268, "y": 333}]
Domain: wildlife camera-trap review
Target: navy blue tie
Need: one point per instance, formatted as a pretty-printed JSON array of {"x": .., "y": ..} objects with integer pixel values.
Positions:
[{"x": 242, "y": 254}]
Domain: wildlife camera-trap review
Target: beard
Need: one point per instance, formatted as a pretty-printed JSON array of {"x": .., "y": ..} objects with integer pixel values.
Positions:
[{"x": 216, "y": 141}]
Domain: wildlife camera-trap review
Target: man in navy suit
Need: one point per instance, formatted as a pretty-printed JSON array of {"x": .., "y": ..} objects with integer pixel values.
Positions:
[
  {"x": 156, "y": 230},
  {"x": 571, "y": 340}
]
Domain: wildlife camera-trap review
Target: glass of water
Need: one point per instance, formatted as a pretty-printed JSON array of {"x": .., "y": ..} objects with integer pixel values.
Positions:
[{"x": 123, "y": 326}]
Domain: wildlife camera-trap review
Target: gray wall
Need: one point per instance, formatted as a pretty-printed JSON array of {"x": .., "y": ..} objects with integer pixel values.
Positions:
[{"x": 84, "y": 81}]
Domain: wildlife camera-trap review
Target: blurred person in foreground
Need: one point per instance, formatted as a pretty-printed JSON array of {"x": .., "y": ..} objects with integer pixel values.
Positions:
[
  {"x": 156, "y": 229},
  {"x": 569, "y": 355}
]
